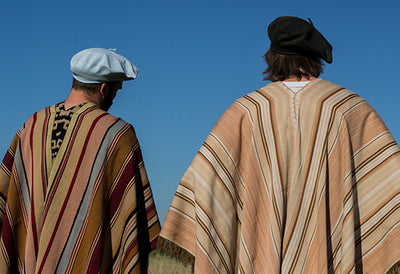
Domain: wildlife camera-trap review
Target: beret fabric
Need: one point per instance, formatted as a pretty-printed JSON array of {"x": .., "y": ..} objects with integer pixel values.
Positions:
[
  {"x": 98, "y": 65},
  {"x": 294, "y": 36}
]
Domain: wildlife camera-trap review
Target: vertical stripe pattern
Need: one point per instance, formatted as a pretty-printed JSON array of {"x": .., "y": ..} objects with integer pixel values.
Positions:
[
  {"x": 304, "y": 182},
  {"x": 88, "y": 210}
]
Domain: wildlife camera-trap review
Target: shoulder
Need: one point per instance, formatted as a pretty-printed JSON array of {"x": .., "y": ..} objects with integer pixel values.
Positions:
[
  {"x": 117, "y": 126},
  {"x": 258, "y": 100},
  {"x": 32, "y": 120},
  {"x": 324, "y": 86},
  {"x": 341, "y": 98},
  {"x": 243, "y": 110}
]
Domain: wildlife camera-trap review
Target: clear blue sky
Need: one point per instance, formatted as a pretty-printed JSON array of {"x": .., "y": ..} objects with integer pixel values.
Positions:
[{"x": 195, "y": 58}]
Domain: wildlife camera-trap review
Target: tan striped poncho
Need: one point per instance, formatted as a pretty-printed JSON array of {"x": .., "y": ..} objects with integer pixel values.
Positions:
[
  {"x": 305, "y": 182},
  {"x": 89, "y": 211}
]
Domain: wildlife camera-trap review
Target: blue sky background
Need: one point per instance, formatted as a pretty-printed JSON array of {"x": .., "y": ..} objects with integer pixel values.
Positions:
[{"x": 195, "y": 58}]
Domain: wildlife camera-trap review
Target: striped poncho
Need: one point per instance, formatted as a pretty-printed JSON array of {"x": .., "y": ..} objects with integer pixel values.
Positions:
[
  {"x": 286, "y": 182},
  {"x": 89, "y": 210}
]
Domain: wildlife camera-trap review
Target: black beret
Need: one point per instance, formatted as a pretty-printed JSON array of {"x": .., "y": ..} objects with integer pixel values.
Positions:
[{"x": 294, "y": 36}]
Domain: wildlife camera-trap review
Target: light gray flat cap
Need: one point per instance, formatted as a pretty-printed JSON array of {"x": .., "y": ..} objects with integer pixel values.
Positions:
[{"x": 98, "y": 65}]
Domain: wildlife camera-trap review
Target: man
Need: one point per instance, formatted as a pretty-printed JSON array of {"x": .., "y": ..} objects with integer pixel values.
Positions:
[
  {"x": 300, "y": 176},
  {"x": 74, "y": 195}
]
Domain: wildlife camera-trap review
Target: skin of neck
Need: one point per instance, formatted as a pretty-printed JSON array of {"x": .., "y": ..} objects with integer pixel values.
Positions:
[{"x": 77, "y": 97}]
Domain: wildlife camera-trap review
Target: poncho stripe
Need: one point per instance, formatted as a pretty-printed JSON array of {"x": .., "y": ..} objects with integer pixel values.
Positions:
[
  {"x": 290, "y": 183},
  {"x": 78, "y": 212}
]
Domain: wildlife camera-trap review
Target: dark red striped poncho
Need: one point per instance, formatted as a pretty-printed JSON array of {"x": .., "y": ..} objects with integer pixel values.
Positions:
[{"x": 90, "y": 209}]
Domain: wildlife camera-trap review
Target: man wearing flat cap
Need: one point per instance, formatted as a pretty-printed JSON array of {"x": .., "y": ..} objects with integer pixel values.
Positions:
[
  {"x": 74, "y": 195},
  {"x": 299, "y": 176}
]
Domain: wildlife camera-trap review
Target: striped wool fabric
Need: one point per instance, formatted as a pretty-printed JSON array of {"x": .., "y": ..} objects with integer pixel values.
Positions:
[
  {"x": 286, "y": 182},
  {"x": 89, "y": 210}
]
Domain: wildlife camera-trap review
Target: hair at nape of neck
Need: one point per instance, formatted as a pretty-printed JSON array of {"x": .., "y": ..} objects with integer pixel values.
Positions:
[{"x": 282, "y": 67}]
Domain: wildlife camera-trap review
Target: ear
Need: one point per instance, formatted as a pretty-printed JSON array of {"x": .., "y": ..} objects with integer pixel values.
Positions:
[{"x": 103, "y": 88}]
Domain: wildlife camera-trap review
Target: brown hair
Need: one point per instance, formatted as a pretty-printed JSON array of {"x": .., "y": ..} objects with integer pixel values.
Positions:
[
  {"x": 88, "y": 88},
  {"x": 282, "y": 67}
]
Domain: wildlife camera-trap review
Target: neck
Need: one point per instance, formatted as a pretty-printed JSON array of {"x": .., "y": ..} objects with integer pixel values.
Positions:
[{"x": 76, "y": 97}]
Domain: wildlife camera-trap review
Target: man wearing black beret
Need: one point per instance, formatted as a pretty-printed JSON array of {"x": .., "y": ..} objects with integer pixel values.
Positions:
[
  {"x": 74, "y": 194},
  {"x": 299, "y": 176}
]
